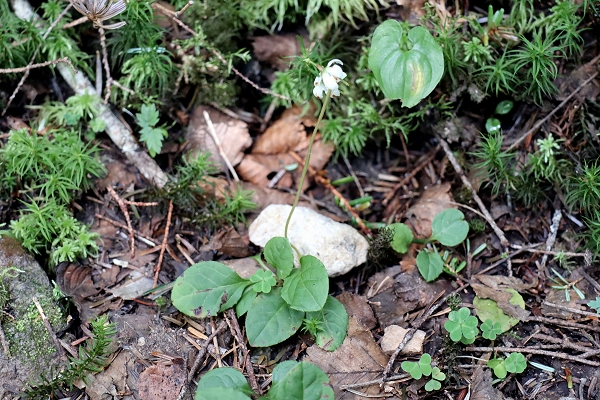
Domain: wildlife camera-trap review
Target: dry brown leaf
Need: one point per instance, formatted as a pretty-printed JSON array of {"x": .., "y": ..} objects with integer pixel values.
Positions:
[
  {"x": 432, "y": 202},
  {"x": 558, "y": 297},
  {"x": 504, "y": 282},
  {"x": 284, "y": 135},
  {"x": 160, "y": 381},
  {"x": 260, "y": 168},
  {"x": 287, "y": 133},
  {"x": 358, "y": 307},
  {"x": 277, "y": 50},
  {"x": 481, "y": 385},
  {"x": 412, "y": 10},
  {"x": 358, "y": 359},
  {"x": 231, "y": 243},
  {"x": 408, "y": 293},
  {"x": 232, "y": 133}
]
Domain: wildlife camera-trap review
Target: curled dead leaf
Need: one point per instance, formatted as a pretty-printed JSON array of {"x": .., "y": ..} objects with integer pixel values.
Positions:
[{"x": 232, "y": 134}]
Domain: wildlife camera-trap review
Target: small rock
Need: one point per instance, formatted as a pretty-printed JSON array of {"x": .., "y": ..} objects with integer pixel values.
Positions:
[
  {"x": 339, "y": 247},
  {"x": 31, "y": 351},
  {"x": 394, "y": 334}
]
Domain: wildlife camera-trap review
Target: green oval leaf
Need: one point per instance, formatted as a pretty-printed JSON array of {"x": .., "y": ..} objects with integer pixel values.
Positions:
[
  {"x": 278, "y": 253},
  {"x": 243, "y": 305},
  {"x": 493, "y": 125},
  {"x": 302, "y": 381},
  {"x": 504, "y": 107},
  {"x": 220, "y": 393},
  {"x": 226, "y": 377},
  {"x": 334, "y": 318},
  {"x": 206, "y": 288},
  {"x": 403, "y": 73},
  {"x": 306, "y": 288},
  {"x": 449, "y": 227},
  {"x": 270, "y": 319},
  {"x": 430, "y": 265},
  {"x": 403, "y": 237}
]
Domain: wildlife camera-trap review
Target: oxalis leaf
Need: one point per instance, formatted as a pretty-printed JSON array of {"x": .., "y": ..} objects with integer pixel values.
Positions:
[
  {"x": 430, "y": 265},
  {"x": 270, "y": 319},
  {"x": 306, "y": 288},
  {"x": 407, "y": 65},
  {"x": 334, "y": 318},
  {"x": 294, "y": 380},
  {"x": 278, "y": 253},
  {"x": 449, "y": 227},
  {"x": 206, "y": 288},
  {"x": 403, "y": 237}
]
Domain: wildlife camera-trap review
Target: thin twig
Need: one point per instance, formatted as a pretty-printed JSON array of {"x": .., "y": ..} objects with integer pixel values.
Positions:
[
  {"x": 40, "y": 65},
  {"x": 139, "y": 235},
  {"x": 237, "y": 333},
  {"x": 528, "y": 350},
  {"x": 109, "y": 79},
  {"x": 407, "y": 338},
  {"x": 202, "y": 351},
  {"x": 571, "y": 310},
  {"x": 556, "y": 218},
  {"x": 213, "y": 134},
  {"x": 163, "y": 245},
  {"x": 48, "y": 326},
  {"x": 408, "y": 177},
  {"x": 354, "y": 177},
  {"x": 34, "y": 56},
  {"x": 476, "y": 197},
  {"x": 173, "y": 16},
  {"x": 123, "y": 208},
  {"x": 563, "y": 323}
]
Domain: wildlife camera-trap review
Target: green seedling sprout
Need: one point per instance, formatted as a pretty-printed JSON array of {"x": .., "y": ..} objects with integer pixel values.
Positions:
[{"x": 563, "y": 284}]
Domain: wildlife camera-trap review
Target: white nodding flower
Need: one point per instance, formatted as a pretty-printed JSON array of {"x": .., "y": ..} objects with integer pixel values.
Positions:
[{"x": 328, "y": 79}]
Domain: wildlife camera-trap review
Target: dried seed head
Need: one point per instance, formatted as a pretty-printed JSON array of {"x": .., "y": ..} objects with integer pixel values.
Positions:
[{"x": 98, "y": 11}]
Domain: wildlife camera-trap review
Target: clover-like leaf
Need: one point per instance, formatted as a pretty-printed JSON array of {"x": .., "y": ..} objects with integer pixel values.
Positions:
[
  {"x": 334, "y": 324},
  {"x": 462, "y": 326},
  {"x": 206, "y": 288},
  {"x": 407, "y": 64},
  {"x": 490, "y": 329},
  {"x": 433, "y": 385},
  {"x": 278, "y": 253},
  {"x": 294, "y": 380},
  {"x": 449, "y": 227},
  {"x": 595, "y": 304},
  {"x": 263, "y": 281},
  {"x": 515, "y": 363},
  {"x": 430, "y": 265},
  {"x": 306, "y": 288},
  {"x": 420, "y": 368},
  {"x": 270, "y": 320},
  {"x": 497, "y": 365},
  {"x": 437, "y": 374},
  {"x": 402, "y": 238}
]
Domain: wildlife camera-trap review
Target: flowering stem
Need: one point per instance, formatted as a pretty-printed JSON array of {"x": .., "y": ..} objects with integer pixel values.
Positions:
[{"x": 306, "y": 161}]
